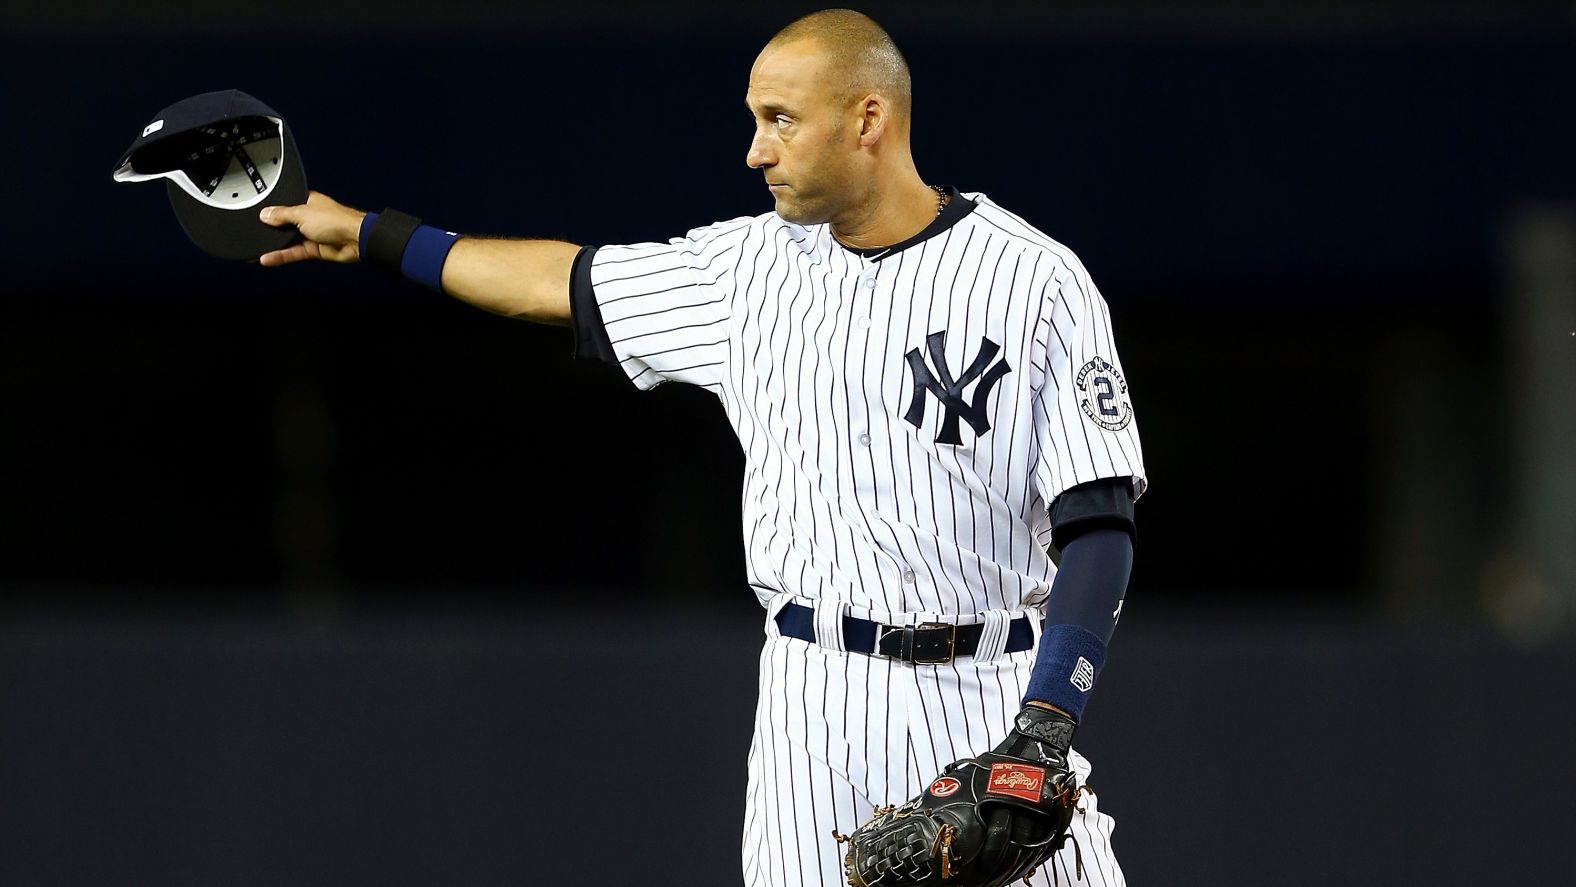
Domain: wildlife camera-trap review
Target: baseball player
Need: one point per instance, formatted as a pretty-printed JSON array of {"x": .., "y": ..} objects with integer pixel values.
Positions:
[{"x": 927, "y": 395}]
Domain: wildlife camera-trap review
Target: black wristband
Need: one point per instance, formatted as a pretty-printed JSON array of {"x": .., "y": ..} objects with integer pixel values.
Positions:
[{"x": 388, "y": 237}]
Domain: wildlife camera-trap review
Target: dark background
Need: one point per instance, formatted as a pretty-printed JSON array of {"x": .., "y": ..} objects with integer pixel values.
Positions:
[{"x": 310, "y": 576}]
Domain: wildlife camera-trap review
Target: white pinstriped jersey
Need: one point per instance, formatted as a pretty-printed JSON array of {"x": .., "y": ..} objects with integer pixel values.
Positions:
[{"x": 905, "y": 418}]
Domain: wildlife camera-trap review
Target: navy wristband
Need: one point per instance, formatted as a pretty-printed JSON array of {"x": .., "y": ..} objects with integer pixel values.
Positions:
[
  {"x": 1065, "y": 669},
  {"x": 399, "y": 242},
  {"x": 425, "y": 254}
]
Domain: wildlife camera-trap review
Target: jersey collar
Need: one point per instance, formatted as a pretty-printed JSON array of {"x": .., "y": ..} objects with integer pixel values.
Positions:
[{"x": 956, "y": 208}]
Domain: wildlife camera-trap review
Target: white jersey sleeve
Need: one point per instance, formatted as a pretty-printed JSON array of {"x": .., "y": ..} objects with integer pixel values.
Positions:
[
  {"x": 1083, "y": 414},
  {"x": 665, "y": 306}
]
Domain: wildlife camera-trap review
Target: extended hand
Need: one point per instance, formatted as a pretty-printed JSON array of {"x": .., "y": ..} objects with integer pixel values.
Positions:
[{"x": 331, "y": 230}]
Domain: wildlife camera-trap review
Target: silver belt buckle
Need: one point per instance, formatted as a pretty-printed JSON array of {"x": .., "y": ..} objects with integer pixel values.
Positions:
[
  {"x": 952, "y": 642},
  {"x": 906, "y": 652}
]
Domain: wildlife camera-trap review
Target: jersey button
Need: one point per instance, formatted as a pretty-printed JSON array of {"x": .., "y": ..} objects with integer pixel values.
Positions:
[
  {"x": 864, "y": 323},
  {"x": 864, "y": 440},
  {"x": 908, "y": 576},
  {"x": 870, "y": 283}
]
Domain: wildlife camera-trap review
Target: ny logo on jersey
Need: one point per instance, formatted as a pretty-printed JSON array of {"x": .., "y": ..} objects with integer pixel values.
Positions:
[{"x": 950, "y": 392}]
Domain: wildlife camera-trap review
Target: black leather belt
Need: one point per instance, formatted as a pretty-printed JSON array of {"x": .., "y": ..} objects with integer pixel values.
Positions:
[{"x": 929, "y": 643}]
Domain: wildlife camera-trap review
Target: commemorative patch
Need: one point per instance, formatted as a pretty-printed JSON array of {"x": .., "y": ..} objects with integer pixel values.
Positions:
[
  {"x": 1017, "y": 780},
  {"x": 945, "y": 786},
  {"x": 1102, "y": 395}
]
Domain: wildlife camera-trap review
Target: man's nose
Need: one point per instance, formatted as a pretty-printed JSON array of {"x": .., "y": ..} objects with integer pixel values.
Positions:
[{"x": 760, "y": 154}]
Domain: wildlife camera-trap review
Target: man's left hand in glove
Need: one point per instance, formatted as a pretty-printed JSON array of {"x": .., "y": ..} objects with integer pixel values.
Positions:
[{"x": 984, "y": 822}]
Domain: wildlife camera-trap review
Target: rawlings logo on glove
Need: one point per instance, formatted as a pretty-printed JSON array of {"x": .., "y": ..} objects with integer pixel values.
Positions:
[
  {"x": 985, "y": 822},
  {"x": 945, "y": 786},
  {"x": 1018, "y": 780}
]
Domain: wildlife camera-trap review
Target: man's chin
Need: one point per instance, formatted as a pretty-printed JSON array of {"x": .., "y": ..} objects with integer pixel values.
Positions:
[{"x": 797, "y": 213}]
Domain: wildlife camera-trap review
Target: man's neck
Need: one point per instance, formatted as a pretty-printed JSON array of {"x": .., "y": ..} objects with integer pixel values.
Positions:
[{"x": 892, "y": 216}]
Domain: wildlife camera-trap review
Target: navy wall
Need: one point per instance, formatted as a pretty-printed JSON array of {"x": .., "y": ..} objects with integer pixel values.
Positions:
[
  {"x": 598, "y": 745},
  {"x": 1277, "y": 223},
  {"x": 1160, "y": 162}
]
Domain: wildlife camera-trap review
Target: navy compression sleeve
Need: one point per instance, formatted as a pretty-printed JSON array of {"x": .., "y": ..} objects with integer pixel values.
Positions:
[
  {"x": 1090, "y": 582},
  {"x": 1085, "y": 602}
]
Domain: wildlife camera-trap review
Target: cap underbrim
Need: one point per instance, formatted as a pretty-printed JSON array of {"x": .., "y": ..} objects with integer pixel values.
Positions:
[{"x": 238, "y": 234}]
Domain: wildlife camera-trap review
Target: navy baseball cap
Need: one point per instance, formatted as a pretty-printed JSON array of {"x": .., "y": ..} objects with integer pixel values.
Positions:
[{"x": 223, "y": 156}]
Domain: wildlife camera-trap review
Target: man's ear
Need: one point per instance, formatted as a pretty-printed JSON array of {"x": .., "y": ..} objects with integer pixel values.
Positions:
[{"x": 874, "y": 115}]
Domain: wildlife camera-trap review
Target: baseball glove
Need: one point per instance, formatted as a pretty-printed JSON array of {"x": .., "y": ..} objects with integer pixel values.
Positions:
[{"x": 984, "y": 822}]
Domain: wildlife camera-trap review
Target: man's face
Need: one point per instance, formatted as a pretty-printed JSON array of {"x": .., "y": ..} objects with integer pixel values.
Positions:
[{"x": 806, "y": 143}]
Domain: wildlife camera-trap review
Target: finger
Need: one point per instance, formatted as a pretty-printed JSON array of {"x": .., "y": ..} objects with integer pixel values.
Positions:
[{"x": 297, "y": 253}]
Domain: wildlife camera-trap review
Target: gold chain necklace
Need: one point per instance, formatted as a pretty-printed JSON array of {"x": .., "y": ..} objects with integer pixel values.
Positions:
[{"x": 942, "y": 198}]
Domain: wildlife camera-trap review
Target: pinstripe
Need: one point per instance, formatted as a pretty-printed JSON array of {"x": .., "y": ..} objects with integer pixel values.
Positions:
[
  {"x": 1091, "y": 330},
  {"x": 656, "y": 312},
  {"x": 1103, "y": 324},
  {"x": 826, "y": 466},
  {"x": 888, "y": 733},
  {"x": 755, "y": 400},
  {"x": 771, "y": 847},
  {"x": 774, "y": 763},
  {"x": 805, "y": 812},
  {"x": 794, "y": 837},
  {"x": 656, "y": 256},
  {"x": 954, "y": 308}
]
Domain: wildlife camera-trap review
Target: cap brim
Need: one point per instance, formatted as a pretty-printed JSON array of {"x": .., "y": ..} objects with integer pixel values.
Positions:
[{"x": 238, "y": 234}]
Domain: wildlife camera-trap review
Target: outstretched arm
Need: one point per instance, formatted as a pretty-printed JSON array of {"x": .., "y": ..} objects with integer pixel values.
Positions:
[{"x": 528, "y": 279}]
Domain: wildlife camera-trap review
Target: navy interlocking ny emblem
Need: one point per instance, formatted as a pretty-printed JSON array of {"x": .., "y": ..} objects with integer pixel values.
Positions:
[{"x": 949, "y": 391}]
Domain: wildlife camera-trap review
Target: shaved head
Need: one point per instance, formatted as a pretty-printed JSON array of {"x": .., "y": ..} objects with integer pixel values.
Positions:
[
  {"x": 859, "y": 54},
  {"x": 831, "y": 99}
]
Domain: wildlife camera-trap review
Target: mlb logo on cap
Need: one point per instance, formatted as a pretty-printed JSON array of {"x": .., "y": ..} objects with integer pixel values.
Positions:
[{"x": 223, "y": 157}]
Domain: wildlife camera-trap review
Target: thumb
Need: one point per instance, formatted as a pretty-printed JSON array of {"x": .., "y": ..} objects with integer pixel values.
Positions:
[{"x": 279, "y": 216}]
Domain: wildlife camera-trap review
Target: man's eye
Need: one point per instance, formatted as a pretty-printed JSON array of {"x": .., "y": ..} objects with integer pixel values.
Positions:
[{"x": 780, "y": 120}]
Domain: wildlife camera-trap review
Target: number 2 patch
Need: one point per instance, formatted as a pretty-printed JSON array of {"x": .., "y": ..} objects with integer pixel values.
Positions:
[{"x": 1102, "y": 395}]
